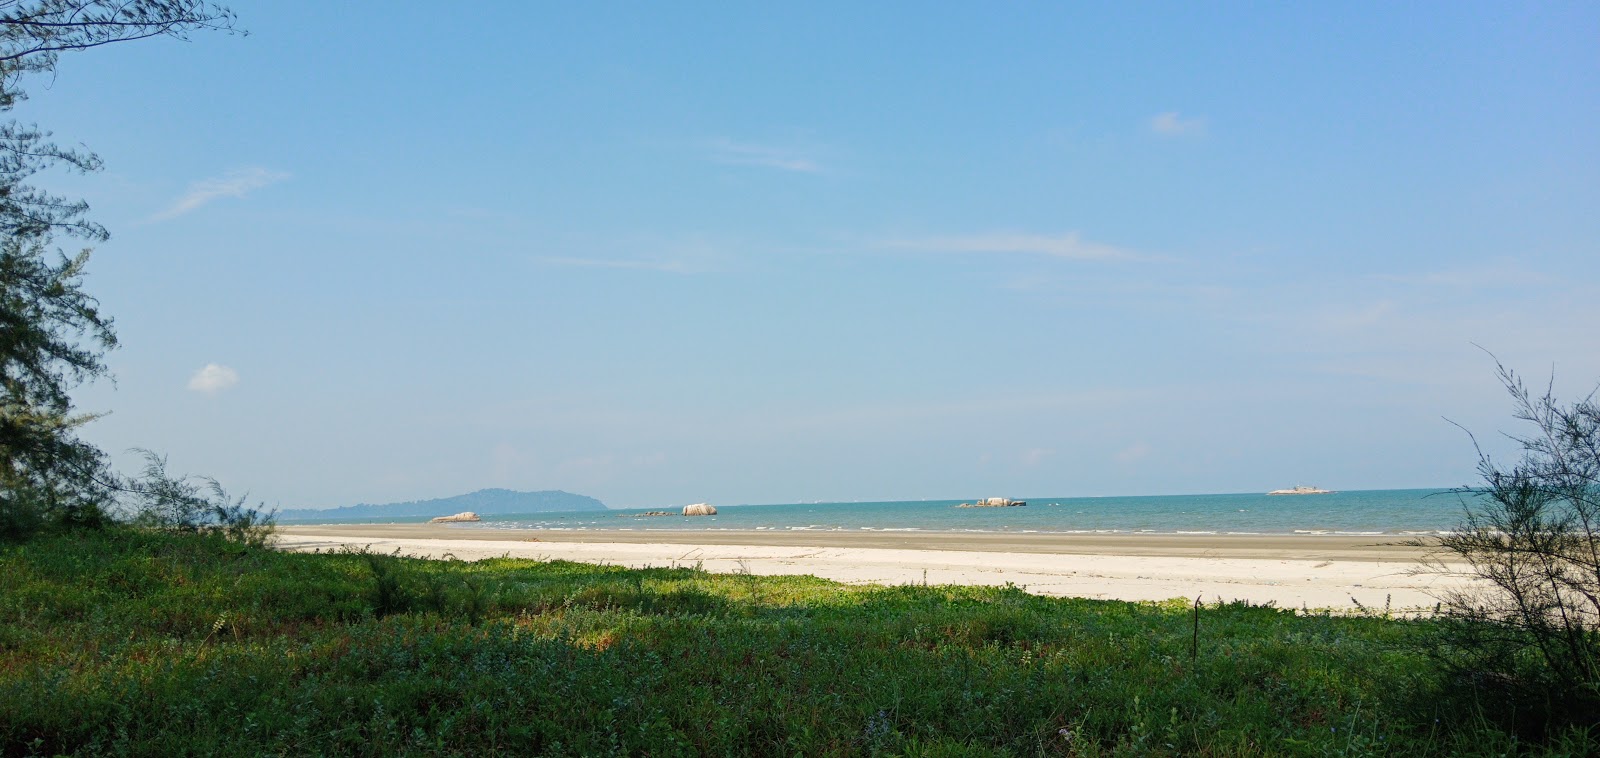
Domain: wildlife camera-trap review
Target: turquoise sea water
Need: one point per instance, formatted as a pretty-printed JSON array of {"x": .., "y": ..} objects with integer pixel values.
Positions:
[{"x": 1400, "y": 512}]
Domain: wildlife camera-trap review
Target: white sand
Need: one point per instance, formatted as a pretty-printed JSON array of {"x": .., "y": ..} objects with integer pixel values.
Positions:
[{"x": 1286, "y": 582}]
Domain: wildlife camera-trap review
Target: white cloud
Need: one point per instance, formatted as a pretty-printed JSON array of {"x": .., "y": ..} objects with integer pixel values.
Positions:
[
  {"x": 1069, "y": 246},
  {"x": 765, "y": 156},
  {"x": 213, "y": 378},
  {"x": 1170, "y": 124},
  {"x": 237, "y": 183}
]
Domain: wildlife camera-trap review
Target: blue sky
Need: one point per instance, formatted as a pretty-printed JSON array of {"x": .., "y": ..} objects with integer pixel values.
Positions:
[{"x": 710, "y": 252}]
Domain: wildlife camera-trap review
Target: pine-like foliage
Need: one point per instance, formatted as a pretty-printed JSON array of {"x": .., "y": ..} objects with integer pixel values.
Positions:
[
  {"x": 52, "y": 335},
  {"x": 1529, "y": 629},
  {"x": 33, "y": 35}
]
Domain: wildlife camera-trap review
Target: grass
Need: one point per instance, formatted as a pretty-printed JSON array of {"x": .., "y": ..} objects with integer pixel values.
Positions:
[{"x": 143, "y": 643}]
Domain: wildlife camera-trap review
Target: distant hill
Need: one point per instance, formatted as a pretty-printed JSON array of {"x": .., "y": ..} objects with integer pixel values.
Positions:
[{"x": 482, "y": 502}]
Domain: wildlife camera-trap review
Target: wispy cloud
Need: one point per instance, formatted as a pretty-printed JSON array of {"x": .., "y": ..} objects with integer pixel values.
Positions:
[
  {"x": 765, "y": 156},
  {"x": 237, "y": 183},
  {"x": 1070, "y": 246},
  {"x": 213, "y": 378},
  {"x": 1171, "y": 124},
  {"x": 675, "y": 267}
]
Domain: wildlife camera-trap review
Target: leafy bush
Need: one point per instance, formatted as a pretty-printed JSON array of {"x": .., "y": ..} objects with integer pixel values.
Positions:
[
  {"x": 21, "y": 514},
  {"x": 389, "y": 592},
  {"x": 26, "y": 510}
]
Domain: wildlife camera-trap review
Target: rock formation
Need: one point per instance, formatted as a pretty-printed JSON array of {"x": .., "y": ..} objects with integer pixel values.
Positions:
[
  {"x": 459, "y": 517},
  {"x": 994, "y": 502}
]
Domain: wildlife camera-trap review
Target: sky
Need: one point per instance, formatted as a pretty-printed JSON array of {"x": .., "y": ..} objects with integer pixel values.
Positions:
[{"x": 375, "y": 252}]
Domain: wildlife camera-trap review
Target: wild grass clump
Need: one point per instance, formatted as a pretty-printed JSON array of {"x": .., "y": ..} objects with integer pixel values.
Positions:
[{"x": 159, "y": 643}]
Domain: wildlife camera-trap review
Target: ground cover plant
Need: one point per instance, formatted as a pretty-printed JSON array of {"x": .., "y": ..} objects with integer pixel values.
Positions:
[{"x": 125, "y": 641}]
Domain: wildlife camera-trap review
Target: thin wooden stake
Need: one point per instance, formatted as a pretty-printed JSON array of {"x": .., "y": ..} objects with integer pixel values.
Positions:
[{"x": 1194, "y": 646}]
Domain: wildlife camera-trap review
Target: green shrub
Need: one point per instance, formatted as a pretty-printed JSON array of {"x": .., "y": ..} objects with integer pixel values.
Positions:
[
  {"x": 21, "y": 515},
  {"x": 390, "y": 595},
  {"x": 1527, "y": 636},
  {"x": 157, "y": 499}
]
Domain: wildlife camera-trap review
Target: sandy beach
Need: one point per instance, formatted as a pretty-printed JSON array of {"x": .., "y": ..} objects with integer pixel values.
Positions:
[{"x": 1295, "y": 571}]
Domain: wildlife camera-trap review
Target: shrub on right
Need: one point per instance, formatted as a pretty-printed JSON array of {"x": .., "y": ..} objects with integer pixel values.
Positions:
[{"x": 1527, "y": 635}]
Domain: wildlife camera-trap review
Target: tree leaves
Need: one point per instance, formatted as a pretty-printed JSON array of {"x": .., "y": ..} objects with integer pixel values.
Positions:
[{"x": 52, "y": 334}]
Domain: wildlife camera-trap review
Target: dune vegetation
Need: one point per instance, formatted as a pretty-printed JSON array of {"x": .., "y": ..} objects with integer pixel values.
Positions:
[{"x": 146, "y": 642}]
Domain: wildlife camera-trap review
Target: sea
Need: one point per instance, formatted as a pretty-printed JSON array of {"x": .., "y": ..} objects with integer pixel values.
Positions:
[{"x": 1361, "y": 512}]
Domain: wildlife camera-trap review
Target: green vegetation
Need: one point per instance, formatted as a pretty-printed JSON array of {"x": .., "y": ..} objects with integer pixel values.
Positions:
[
  {"x": 180, "y": 632},
  {"x": 52, "y": 334},
  {"x": 1529, "y": 633},
  {"x": 145, "y": 642}
]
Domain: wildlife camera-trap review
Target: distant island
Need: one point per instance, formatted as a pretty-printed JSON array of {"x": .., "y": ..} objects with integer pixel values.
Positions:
[{"x": 491, "y": 501}]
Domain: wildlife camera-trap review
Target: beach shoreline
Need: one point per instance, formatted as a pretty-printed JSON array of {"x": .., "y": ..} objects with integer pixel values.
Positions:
[
  {"x": 1300, "y": 546},
  {"x": 1294, "y": 571}
]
